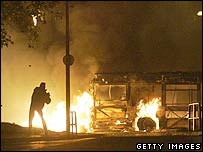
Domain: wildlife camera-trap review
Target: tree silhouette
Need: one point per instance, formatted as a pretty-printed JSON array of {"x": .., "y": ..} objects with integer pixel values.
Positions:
[{"x": 18, "y": 15}]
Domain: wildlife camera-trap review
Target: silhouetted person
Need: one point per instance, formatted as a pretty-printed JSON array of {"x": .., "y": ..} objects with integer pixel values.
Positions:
[{"x": 39, "y": 98}]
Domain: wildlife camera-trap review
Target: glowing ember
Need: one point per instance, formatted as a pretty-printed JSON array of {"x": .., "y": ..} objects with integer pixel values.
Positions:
[
  {"x": 56, "y": 121},
  {"x": 118, "y": 122},
  {"x": 148, "y": 109},
  {"x": 34, "y": 20}
]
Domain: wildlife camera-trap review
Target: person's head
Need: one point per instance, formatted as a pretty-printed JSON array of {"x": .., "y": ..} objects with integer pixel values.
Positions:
[{"x": 42, "y": 85}]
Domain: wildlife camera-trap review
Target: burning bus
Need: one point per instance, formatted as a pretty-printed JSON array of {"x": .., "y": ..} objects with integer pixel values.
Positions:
[
  {"x": 133, "y": 102},
  {"x": 145, "y": 101}
]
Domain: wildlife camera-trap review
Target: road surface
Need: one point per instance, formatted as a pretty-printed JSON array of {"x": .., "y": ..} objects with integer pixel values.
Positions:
[{"x": 106, "y": 142}]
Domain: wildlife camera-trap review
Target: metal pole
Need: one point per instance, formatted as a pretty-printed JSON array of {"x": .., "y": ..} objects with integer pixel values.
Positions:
[
  {"x": 67, "y": 72},
  {"x": 199, "y": 101}
]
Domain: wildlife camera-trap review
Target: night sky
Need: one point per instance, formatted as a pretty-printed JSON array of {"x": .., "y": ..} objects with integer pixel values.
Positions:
[{"x": 104, "y": 37}]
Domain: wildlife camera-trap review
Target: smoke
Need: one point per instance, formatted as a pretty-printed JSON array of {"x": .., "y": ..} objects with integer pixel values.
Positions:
[
  {"x": 25, "y": 68},
  {"x": 139, "y": 36},
  {"x": 172, "y": 40},
  {"x": 104, "y": 37}
]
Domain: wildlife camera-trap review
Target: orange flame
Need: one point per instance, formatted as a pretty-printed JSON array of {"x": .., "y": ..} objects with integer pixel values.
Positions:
[
  {"x": 148, "y": 110},
  {"x": 56, "y": 121},
  {"x": 83, "y": 108}
]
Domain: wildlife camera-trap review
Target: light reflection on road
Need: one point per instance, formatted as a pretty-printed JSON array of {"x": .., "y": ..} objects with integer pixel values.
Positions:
[{"x": 34, "y": 145}]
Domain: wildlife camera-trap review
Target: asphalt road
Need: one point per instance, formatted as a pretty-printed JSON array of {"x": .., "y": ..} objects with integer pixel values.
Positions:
[{"x": 106, "y": 142}]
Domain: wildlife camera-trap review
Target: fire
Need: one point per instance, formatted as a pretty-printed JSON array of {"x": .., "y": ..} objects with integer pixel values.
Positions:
[
  {"x": 56, "y": 121},
  {"x": 148, "y": 109},
  {"x": 83, "y": 108}
]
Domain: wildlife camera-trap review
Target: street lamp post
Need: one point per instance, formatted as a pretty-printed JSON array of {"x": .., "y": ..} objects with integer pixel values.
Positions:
[
  {"x": 68, "y": 61},
  {"x": 67, "y": 72}
]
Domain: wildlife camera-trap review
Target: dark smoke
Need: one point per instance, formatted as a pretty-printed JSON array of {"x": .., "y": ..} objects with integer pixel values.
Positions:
[{"x": 138, "y": 36}]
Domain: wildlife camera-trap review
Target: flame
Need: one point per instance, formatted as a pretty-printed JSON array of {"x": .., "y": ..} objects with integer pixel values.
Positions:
[
  {"x": 34, "y": 20},
  {"x": 56, "y": 121},
  {"x": 83, "y": 108},
  {"x": 148, "y": 110}
]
